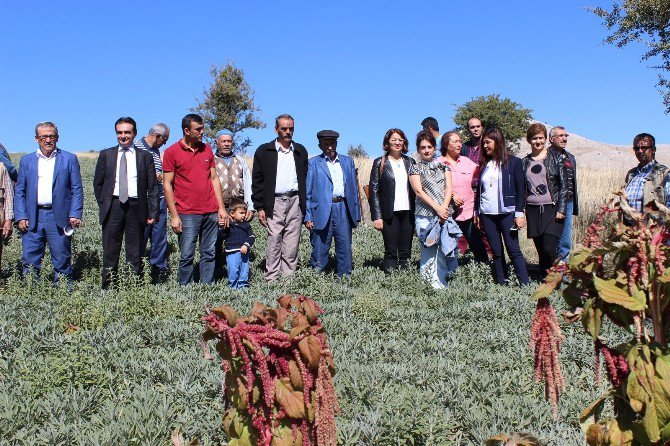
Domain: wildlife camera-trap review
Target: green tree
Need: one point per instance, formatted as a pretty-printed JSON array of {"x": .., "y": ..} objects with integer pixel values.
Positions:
[
  {"x": 229, "y": 103},
  {"x": 509, "y": 116},
  {"x": 357, "y": 151},
  {"x": 646, "y": 22}
]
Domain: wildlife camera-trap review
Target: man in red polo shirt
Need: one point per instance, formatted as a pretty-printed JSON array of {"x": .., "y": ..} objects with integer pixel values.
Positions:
[{"x": 193, "y": 197}]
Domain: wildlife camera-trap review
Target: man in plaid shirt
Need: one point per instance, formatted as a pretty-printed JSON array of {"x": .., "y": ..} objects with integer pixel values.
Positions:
[
  {"x": 649, "y": 180},
  {"x": 6, "y": 203}
]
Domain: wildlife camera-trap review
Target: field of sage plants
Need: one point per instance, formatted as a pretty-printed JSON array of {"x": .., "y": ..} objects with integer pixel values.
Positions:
[{"x": 414, "y": 366}]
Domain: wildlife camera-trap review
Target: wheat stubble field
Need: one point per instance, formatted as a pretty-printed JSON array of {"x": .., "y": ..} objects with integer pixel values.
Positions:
[{"x": 415, "y": 366}]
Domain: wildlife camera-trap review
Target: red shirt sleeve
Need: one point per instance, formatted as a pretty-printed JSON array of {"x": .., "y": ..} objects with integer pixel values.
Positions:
[
  {"x": 212, "y": 165},
  {"x": 168, "y": 160}
]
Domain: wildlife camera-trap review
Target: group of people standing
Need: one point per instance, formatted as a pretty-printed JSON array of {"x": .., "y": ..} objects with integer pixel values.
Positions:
[{"x": 476, "y": 194}]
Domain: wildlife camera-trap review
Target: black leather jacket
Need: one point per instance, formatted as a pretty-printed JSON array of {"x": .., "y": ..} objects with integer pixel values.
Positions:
[
  {"x": 560, "y": 179},
  {"x": 382, "y": 190}
]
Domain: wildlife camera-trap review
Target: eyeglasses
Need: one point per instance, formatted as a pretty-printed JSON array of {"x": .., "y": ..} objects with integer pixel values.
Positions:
[
  {"x": 158, "y": 135},
  {"x": 47, "y": 137},
  {"x": 635, "y": 149}
]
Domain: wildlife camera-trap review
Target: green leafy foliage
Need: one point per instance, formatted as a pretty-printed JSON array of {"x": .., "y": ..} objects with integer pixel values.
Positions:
[{"x": 509, "y": 116}]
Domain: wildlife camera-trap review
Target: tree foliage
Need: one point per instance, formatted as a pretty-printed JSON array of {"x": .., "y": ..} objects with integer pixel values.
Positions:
[
  {"x": 507, "y": 115},
  {"x": 646, "y": 22},
  {"x": 229, "y": 103},
  {"x": 357, "y": 151}
]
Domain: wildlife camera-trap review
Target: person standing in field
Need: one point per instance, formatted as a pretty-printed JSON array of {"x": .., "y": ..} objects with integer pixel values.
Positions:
[
  {"x": 48, "y": 203},
  {"x": 239, "y": 238},
  {"x": 558, "y": 138},
  {"x": 157, "y": 232},
  {"x": 235, "y": 178},
  {"x": 463, "y": 170},
  {"x": 547, "y": 180},
  {"x": 649, "y": 180},
  {"x": 500, "y": 203},
  {"x": 430, "y": 124},
  {"x": 193, "y": 196},
  {"x": 126, "y": 190},
  {"x": 472, "y": 148},
  {"x": 392, "y": 200},
  {"x": 332, "y": 204},
  {"x": 278, "y": 188}
]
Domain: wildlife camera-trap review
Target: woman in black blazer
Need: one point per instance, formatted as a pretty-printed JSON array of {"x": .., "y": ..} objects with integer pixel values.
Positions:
[{"x": 392, "y": 200}]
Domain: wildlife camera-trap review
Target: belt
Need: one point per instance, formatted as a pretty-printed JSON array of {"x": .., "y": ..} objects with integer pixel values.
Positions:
[
  {"x": 338, "y": 199},
  {"x": 45, "y": 207},
  {"x": 288, "y": 194},
  {"x": 116, "y": 197}
]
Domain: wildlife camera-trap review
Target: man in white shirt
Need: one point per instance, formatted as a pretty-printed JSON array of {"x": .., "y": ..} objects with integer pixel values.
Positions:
[
  {"x": 126, "y": 190},
  {"x": 278, "y": 193},
  {"x": 48, "y": 203}
]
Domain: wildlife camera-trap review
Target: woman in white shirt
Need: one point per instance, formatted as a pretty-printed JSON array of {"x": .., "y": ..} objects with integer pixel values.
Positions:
[
  {"x": 500, "y": 203},
  {"x": 392, "y": 200}
]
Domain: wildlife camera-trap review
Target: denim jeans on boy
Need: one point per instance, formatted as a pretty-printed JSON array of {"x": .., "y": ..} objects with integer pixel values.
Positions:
[
  {"x": 434, "y": 266},
  {"x": 238, "y": 269},
  {"x": 565, "y": 242},
  {"x": 194, "y": 226}
]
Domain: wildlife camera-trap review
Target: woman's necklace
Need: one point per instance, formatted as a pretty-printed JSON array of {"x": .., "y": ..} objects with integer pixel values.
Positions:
[
  {"x": 493, "y": 175},
  {"x": 396, "y": 162}
]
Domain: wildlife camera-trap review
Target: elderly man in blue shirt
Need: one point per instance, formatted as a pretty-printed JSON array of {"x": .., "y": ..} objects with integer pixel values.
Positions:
[
  {"x": 333, "y": 206},
  {"x": 649, "y": 180}
]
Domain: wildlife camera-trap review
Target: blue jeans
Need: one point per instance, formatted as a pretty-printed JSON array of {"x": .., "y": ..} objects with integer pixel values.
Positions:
[
  {"x": 34, "y": 242},
  {"x": 204, "y": 226},
  {"x": 238, "y": 269},
  {"x": 497, "y": 228},
  {"x": 338, "y": 226},
  {"x": 434, "y": 266},
  {"x": 565, "y": 242},
  {"x": 157, "y": 233}
]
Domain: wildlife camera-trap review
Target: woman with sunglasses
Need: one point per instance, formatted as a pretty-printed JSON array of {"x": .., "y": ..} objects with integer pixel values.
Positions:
[{"x": 500, "y": 203}]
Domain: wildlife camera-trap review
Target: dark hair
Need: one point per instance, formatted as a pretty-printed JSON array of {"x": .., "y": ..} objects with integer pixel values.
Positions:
[
  {"x": 126, "y": 120},
  {"x": 535, "y": 129},
  {"x": 387, "y": 138},
  {"x": 642, "y": 136},
  {"x": 500, "y": 154},
  {"x": 237, "y": 203},
  {"x": 431, "y": 123},
  {"x": 425, "y": 135},
  {"x": 283, "y": 116},
  {"x": 444, "y": 141},
  {"x": 190, "y": 118}
]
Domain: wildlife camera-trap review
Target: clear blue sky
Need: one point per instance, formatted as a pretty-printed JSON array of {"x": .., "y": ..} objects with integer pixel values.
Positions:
[{"x": 359, "y": 67}]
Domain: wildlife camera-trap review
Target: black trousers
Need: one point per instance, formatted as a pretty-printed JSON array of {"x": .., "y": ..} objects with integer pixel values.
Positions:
[
  {"x": 547, "y": 250},
  {"x": 122, "y": 219},
  {"x": 397, "y": 232}
]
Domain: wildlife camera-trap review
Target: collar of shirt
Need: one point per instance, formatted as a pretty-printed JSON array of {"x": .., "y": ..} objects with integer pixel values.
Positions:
[
  {"x": 336, "y": 160},
  {"x": 281, "y": 148},
  {"x": 130, "y": 148},
  {"x": 199, "y": 146},
  {"x": 41, "y": 155},
  {"x": 225, "y": 159},
  {"x": 644, "y": 170},
  {"x": 147, "y": 145}
]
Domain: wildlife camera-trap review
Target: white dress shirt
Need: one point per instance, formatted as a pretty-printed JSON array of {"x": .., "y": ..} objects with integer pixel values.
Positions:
[
  {"x": 287, "y": 179},
  {"x": 131, "y": 163},
  {"x": 45, "y": 177},
  {"x": 336, "y": 174}
]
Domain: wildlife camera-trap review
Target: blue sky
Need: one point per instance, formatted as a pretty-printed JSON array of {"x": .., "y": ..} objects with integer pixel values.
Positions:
[{"x": 358, "y": 67}]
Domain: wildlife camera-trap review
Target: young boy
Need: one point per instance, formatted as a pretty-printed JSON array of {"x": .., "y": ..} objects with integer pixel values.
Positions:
[{"x": 239, "y": 238}]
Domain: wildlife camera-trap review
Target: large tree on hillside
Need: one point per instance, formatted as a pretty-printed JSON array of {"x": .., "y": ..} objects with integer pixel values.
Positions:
[
  {"x": 229, "y": 103},
  {"x": 646, "y": 22},
  {"x": 509, "y": 116}
]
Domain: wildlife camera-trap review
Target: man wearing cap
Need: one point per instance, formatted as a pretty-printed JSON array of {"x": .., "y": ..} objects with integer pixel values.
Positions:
[
  {"x": 157, "y": 233},
  {"x": 332, "y": 204},
  {"x": 278, "y": 193},
  {"x": 233, "y": 173},
  {"x": 48, "y": 203}
]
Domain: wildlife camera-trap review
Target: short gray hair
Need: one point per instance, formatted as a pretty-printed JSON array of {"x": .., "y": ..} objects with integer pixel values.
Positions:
[
  {"x": 47, "y": 124},
  {"x": 159, "y": 129},
  {"x": 558, "y": 127}
]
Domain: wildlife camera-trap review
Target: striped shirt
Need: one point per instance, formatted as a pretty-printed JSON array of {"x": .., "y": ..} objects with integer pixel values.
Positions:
[
  {"x": 142, "y": 144},
  {"x": 432, "y": 183}
]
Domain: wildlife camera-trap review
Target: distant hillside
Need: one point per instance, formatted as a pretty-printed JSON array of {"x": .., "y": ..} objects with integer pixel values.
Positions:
[{"x": 598, "y": 155}]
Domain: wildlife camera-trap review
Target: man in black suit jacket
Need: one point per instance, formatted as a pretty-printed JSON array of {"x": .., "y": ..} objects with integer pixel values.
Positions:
[
  {"x": 126, "y": 190},
  {"x": 278, "y": 191}
]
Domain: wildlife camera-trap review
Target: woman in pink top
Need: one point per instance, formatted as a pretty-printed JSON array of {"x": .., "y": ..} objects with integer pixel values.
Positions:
[{"x": 463, "y": 170}]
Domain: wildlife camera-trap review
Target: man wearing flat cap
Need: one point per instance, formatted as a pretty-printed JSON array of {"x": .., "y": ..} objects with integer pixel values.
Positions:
[
  {"x": 332, "y": 207},
  {"x": 233, "y": 173}
]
